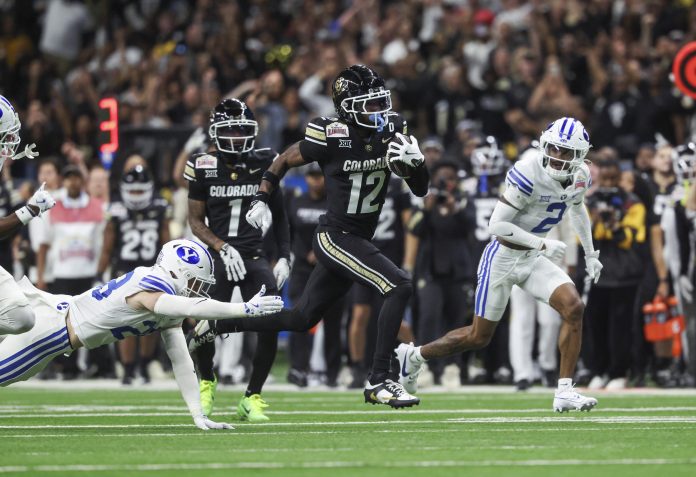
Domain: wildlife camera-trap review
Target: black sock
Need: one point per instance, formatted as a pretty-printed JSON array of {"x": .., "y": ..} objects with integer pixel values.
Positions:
[
  {"x": 204, "y": 360},
  {"x": 284, "y": 320},
  {"x": 266, "y": 347},
  {"x": 388, "y": 326},
  {"x": 129, "y": 369}
]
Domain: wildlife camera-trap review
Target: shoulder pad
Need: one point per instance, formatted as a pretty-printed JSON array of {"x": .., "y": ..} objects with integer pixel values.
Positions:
[
  {"x": 117, "y": 209},
  {"x": 160, "y": 202},
  {"x": 316, "y": 131},
  {"x": 265, "y": 154},
  {"x": 153, "y": 280},
  {"x": 205, "y": 161},
  {"x": 520, "y": 176}
]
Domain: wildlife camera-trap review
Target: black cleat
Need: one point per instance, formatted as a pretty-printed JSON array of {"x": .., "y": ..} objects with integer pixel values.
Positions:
[{"x": 390, "y": 393}]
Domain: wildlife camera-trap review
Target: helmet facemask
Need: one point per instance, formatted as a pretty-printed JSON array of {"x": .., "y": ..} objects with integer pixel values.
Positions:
[
  {"x": 234, "y": 136},
  {"x": 9, "y": 140},
  {"x": 183, "y": 260},
  {"x": 684, "y": 164},
  {"x": 137, "y": 196},
  {"x": 560, "y": 161},
  {"x": 488, "y": 159},
  {"x": 369, "y": 110}
]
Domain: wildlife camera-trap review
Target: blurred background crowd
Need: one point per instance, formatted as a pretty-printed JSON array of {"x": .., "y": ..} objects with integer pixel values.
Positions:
[{"x": 477, "y": 81}]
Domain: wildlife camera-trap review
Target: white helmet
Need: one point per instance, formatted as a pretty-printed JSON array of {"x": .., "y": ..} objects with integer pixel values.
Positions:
[
  {"x": 564, "y": 145},
  {"x": 190, "y": 265},
  {"x": 9, "y": 130}
]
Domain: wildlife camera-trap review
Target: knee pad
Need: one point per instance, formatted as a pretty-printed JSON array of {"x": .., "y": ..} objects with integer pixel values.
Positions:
[{"x": 17, "y": 320}]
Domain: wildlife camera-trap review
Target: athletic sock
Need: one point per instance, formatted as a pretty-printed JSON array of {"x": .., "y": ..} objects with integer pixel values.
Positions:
[
  {"x": 417, "y": 357},
  {"x": 388, "y": 325},
  {"x": 565, "y": 382}
]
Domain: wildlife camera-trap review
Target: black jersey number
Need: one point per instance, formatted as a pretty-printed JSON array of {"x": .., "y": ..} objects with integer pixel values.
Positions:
[
  {"x": 139, "y": 245},
  {"x": 367, "y": 204}
]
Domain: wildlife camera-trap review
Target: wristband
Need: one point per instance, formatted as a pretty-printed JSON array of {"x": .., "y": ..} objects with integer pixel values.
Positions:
[
  {"x": 261, "y": 197},
  {"x": 272, "y": 178},
  {"x": 25, "y": 214}
]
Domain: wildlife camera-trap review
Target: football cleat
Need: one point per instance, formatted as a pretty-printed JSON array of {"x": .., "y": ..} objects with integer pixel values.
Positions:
[
  {"x": 390, "y": 393},
  {"x": 204, "y": 332},
  {"x": 567, "y": 399},
  {"x": 207, "y": 390},
  {"x": 409, "y": 369},
  {"x": 251, "y": 409}
]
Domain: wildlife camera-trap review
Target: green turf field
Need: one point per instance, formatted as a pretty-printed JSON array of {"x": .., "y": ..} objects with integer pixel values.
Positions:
[{"x": 115, "y": 432}]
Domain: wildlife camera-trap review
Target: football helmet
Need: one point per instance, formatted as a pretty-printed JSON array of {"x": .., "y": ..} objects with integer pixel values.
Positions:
[
  {"x": 487, "y": 159},
  {"x": 190, "y": 265},
  {"x": 564, "y": 145},
  {"x": 684, "y": 162},
  {"x": 233, "y": 127},
  {"x": 9, "y": 130},
  {"x": 137, "y": 188},
  {"x": 360, "y": 97}
]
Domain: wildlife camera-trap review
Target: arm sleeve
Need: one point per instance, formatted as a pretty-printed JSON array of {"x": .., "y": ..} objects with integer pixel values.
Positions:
[
  {"x": 182, "y": 366},
  {"x": 418, "y": 182},
  {"x": 580, "y": 219},
  {"x": 199, "y": 308},
  {"x": 281, "y": 225},
  {"x": 500, "y": 225}
]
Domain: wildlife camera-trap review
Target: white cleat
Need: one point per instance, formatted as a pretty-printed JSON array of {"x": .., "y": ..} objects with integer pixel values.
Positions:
[
  {"x": 567, "y": 399},
  {"x": 409, "y": 368},
  {"x": 389, "y": 393}
]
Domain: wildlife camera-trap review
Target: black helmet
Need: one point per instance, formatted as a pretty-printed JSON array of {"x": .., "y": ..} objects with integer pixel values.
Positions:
[
  {"x": 137, "y": 188},
  {"x": 233, "y": 127},
  {"x": 487, "y": 159},
  {"x": 684, "y": 162},
  {"x": 360, "y": 98}
]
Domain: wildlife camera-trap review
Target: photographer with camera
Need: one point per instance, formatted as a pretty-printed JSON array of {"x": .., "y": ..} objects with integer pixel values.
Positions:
[
  {"x": 618, "y": 230},
  {"x": 444, "y": 265}
]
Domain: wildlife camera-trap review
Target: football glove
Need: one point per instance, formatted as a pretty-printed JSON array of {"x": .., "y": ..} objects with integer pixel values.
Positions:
[
  {"x": 256, "y": 214},
  {"x": 405, "y": 150},
  {"x": 686, "y": 288},
  {"x": 553, "y": 249},
  {"x": 281, "y": 272},
  {"x": 593, "y": 266},
  {"x": 41, "y": 199},
  {"x": 202, "y": 422},
  {"x": 263, "y": 305},
  {"x": 234, "y": 264}
]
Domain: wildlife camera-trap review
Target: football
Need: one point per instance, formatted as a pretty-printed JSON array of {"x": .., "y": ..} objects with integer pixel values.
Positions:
[{"x": 399, "y": 168}]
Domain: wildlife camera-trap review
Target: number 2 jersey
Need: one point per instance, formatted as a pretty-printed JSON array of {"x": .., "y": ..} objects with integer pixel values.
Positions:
[
  {"x": 542, "y": 201},
  {"x": 101, "y": 315},
  {"x": 137, "y": 234},
  {"x": 355, "y": 171},
  {"x": 227, "y": 186}
]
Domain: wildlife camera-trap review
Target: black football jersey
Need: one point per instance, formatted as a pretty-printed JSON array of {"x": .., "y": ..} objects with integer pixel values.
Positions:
[
  {"x": 303, "y": 214},
  {"x": 355, "y": 170},
  {"x": 138, "y": 237},
  {"x": 389, "y": 234},
  {"x": 228, "y": 191},
  {"x": 485, "y": 199}
]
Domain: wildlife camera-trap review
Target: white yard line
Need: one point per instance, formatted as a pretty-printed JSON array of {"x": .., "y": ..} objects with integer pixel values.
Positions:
[{"x": 342, "y": 464}]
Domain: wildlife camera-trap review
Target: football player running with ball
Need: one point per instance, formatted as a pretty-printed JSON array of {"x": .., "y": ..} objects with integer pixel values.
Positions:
[
  {"x": 138, "y": 303},
  {"x": 356, "y": 152},
  {"x": 539, "y": 190},
  {"x": 16, "y": 316}
]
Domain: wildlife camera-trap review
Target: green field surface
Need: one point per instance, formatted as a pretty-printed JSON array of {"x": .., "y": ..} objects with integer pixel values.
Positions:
[{"x": 113, "y": 432}]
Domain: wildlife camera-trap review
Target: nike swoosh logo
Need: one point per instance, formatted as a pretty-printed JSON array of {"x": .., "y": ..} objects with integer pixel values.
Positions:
[
  {"x": 403, "y": 366},
  {"x": 386, "y": 140},
  {"x": 254, "y": 171},
  {"x": 507, "y": 235}
]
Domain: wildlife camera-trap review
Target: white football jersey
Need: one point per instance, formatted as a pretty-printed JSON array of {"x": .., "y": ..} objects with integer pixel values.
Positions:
[
  {"x": 542, "y": 201},
  {"x": 101, "y": 315}
]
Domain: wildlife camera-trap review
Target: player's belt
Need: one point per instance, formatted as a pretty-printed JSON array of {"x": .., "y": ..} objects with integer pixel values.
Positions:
[{"x": 513, "y": 246}]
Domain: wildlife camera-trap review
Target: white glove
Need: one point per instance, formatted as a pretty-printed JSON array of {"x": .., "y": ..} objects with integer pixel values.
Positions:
[
  {"x": 281, "y": 272},
  {"x": 195, "y": 142},
  {"x": 256, "y": 214},
  {"x": 686, "y": 288},
  {"x": 593, "y": 266},
  {"x": 28, "y": 152},
  {"x": 404, "y": 151},
  {"x": 41, "y": 199},
  {"x": 267, "y": 222},
  {"x": 263, "y": 305},
  {"x": 234, "y": 264},
  {"x": 553, "y": 249},
  {"x": 202, "y": 422}
]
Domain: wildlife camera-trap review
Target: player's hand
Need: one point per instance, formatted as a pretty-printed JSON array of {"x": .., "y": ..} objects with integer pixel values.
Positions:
[
  {"x": 234, "y": 264},
  {"x": 202, "y": 422},
  {"x": 263, "y": 305},
  {"x": 281, "y": 272},
  {"x": 686, "y": 288},
  {"x": 593, "y": 266},
  {"x": 405, "y": 151},
  {"x": 553, "y": 249},
  {"x": 256, "y": 214},
  {"x": 29, "y": 152},
  {"x": 42, "y": 200}
]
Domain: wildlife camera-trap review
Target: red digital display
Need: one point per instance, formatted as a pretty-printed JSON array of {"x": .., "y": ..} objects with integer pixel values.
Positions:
[{"x": 109, "y": 125}]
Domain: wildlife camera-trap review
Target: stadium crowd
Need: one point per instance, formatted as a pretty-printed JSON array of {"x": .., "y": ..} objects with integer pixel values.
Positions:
[{"x": 477, "y": 82}]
